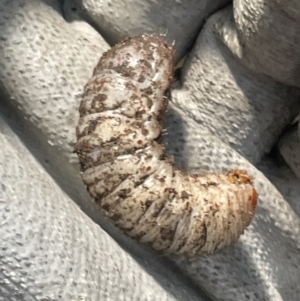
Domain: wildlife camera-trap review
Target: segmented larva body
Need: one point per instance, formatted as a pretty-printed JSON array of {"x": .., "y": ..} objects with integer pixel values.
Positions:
[{"x": 124, "y": 167}]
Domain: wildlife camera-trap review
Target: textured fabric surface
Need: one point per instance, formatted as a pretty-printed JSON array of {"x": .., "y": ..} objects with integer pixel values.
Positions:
[
  {"x": 227, "y": 110},
  {"x": 268, "y": 37},
  {"x": 235, "y": 104},
  {"x": 179, "y": 20}
]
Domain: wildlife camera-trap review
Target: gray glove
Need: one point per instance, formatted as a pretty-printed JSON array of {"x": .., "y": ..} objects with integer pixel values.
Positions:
[{"x": 228, "y": 110}]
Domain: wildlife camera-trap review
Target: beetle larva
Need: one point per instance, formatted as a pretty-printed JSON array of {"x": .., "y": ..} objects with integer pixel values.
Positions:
[{"x": 125, "y": 169}]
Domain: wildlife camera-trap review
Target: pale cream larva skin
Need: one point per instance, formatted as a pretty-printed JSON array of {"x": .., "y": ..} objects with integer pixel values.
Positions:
[{"x": 123, "y": 162}]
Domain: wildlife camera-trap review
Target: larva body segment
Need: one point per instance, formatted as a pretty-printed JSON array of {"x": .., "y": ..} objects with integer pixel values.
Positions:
[{"x": 126, "y": 171}]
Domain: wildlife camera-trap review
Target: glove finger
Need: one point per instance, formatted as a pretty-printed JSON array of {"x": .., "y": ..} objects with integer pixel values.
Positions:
[
  {"x": 246, "y": 110},
  {"x": 268, "y": 37},
  {"x": 179, "y": 20},
  {"x": 46, "y": 64}
]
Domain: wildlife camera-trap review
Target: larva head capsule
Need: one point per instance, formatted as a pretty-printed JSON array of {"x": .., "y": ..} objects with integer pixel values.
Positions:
[{"x": 126, "y": 171}]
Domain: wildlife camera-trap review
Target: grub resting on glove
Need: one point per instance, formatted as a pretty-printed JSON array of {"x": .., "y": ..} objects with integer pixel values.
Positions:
[{"x": 125, "y": 169}]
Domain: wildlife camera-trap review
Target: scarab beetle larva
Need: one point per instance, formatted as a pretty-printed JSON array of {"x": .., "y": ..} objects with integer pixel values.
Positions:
[{"x": 126, "y": 171}]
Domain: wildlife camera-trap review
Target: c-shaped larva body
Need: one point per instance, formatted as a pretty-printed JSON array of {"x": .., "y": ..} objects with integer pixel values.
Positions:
[{"x": 125, "y": 169}]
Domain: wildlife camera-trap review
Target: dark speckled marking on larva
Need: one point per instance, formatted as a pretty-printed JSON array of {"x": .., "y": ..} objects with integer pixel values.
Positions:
[{"x": 123, "y": 162}]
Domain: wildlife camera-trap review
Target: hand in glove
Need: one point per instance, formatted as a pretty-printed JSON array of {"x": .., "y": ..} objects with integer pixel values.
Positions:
[{"x": 237, "y": 91}]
